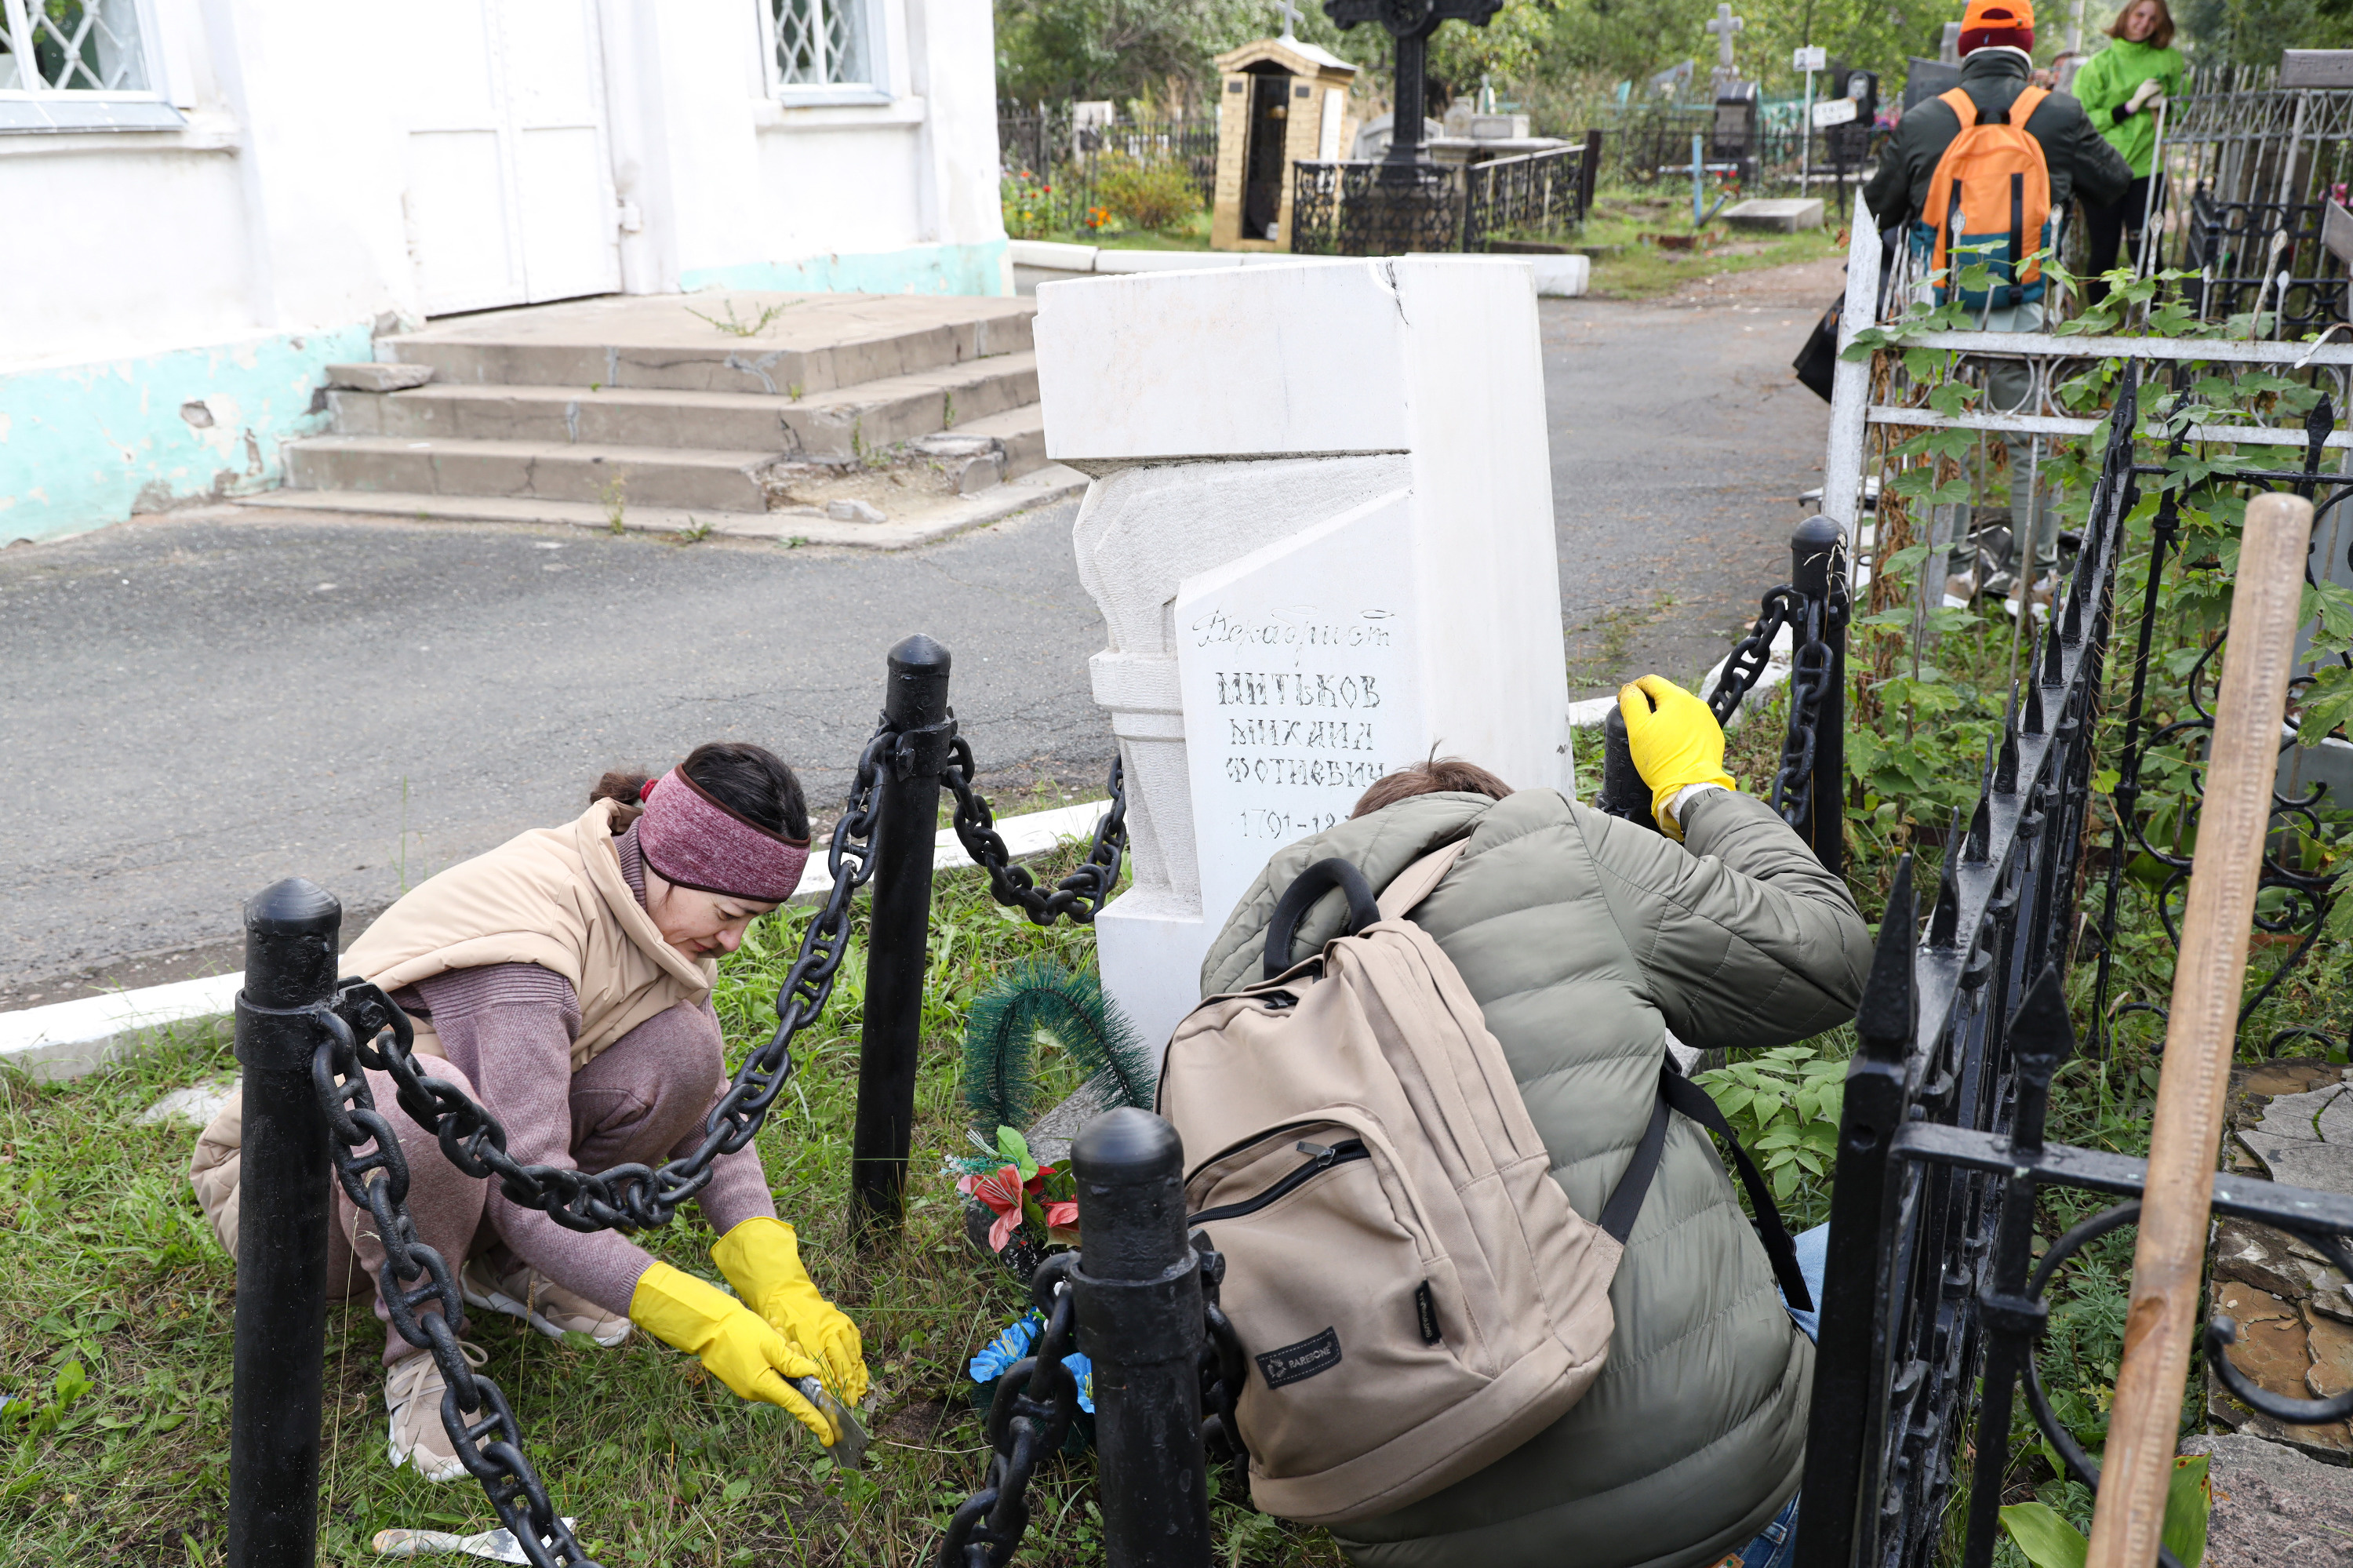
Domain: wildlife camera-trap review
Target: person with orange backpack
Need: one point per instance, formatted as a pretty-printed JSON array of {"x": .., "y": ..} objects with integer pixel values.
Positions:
[{"x": 1980, "y": 174}]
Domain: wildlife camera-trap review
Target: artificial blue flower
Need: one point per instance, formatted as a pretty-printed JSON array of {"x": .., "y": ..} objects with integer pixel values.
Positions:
[
  {"x": 1020, "y": 1337},
  {"x": 1006, "y": 1349}
]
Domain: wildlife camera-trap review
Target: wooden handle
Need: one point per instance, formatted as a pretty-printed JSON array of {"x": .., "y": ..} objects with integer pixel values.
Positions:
[{"x": 2145, "y": 1424}]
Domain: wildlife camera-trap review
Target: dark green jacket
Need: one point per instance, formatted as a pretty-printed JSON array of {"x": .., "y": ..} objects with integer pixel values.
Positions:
[
  {"x": 1584, "y": 939},
  {"x": 2081, "y": 163}
]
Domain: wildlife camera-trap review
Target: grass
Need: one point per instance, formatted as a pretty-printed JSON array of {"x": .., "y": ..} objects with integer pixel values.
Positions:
[
  {"x": 107, "y": 1266},
  {"x": 1628, "y": 265}
]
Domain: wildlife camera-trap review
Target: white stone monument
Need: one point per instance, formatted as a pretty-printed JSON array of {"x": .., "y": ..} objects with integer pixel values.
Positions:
[{"x": 1321, "y": 534}]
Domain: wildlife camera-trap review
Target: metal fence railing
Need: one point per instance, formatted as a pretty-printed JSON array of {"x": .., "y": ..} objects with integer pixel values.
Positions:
[
  {"x": 1062, "y": 160},
  {"x": 1530, "y": 201}
]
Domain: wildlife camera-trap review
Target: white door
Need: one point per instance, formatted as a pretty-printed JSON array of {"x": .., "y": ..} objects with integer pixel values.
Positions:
[{"x": 510, "y": 197}]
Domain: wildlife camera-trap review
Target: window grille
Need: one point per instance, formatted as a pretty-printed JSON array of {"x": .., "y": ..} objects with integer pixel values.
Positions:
[
  {"x": 71, "y": 45},
  {"x": 822, "y": 43}
]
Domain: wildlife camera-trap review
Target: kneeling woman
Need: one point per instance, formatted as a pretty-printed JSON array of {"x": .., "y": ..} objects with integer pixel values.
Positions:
[{"x": 564, "y": 981}]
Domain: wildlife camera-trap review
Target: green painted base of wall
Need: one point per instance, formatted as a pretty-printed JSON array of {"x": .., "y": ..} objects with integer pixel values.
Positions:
[
  {"x": 82, "y": 446},
  {"x": 917, "y": 270}
]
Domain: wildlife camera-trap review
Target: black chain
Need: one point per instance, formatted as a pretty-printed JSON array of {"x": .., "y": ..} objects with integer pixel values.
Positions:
[
  {"x": 1037, "y": 1399},
  {"x": 639, "y": 1197},
  {"x": 1224, "y": 1368},
  {"x": 1752, "y": 653},
  {"x": 491, "y": 1448},
  {"x": 1077, "y": 895},
  {"x": 1810, "y": 683}
]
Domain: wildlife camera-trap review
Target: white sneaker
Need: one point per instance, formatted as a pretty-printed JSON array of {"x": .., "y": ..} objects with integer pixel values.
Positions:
[
  {"x": 412, "y": 1392},
  {"x": 523, "y": 1292}
]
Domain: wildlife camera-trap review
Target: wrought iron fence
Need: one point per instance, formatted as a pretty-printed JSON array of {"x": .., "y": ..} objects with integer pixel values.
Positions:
[
  {"x": 2247, "y": 166},
  {"x": 1375, "y": 209},
  {"x": 1061, "y": 161},
  {"x": 1533, "y": 198}
]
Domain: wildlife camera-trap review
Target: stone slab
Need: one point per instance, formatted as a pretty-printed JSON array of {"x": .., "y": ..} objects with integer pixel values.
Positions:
[
  {"x": 378, "y": 377},
  {"x": 1562, "y": 277},
  {"x": 2275, "y": 1508},
  {"x": 195, "y": 1106},
  {"x": 1051, "y": 256},
  {"x": 1776, "y": 214}
]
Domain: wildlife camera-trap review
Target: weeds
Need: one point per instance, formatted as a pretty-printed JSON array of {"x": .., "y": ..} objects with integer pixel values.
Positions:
[
  {"x": 695, "y": 532},
  {"x": 614, "y": 498},
  {"x": 735, "y": 328}
]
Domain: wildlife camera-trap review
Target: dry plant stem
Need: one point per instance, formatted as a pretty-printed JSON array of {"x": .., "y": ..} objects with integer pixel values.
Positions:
[
  {"x": 2188, "y": 1128},
  {"x": 2022, "y": 563}
]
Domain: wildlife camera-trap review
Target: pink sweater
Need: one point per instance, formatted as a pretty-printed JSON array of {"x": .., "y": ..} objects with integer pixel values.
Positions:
[{"x": 509, "y": 1028}]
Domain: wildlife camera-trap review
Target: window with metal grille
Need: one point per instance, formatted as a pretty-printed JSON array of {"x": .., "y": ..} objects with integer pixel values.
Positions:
[
  {"x": 822, "y": 43},
  {"x": 77, "y": 65}
]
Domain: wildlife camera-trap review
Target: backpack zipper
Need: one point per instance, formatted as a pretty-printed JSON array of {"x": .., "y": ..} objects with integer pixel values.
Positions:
[{"x": 1319, "y": 1159}]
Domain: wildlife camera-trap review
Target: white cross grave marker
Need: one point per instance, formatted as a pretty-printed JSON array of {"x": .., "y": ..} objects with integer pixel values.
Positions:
[
  {"x": 1724, "y": 26},
  {"x": 1289, "y": 17}
]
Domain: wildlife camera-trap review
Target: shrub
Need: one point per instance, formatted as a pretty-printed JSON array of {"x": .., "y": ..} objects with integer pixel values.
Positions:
[
  {"x": 1159, "y": 195},
  {"x": 1029, "y": 205}
]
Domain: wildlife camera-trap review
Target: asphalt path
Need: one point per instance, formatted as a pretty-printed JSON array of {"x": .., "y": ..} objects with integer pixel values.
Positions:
[{"x": 199, "y": 704}]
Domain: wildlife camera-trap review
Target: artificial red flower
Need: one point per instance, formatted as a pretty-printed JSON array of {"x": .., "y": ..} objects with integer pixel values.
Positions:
[{"x": 1001, "y": 1191}]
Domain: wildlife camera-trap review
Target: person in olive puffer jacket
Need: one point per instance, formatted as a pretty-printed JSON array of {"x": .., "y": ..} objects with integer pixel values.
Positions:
[{"x": 1585, "y": 939}]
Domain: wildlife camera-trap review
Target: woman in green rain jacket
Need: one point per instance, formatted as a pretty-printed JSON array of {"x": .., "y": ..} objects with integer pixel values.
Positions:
[{"x": 2122, "y": 88}]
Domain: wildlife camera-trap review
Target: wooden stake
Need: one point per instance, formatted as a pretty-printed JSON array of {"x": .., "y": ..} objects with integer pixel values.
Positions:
[{"x": 2145, "y": 1425}]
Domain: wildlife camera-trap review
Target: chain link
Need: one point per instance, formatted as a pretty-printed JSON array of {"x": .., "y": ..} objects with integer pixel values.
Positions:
[
  {"x": 1224, "y": 1369},
  {"x": 1077, "y": 895},
  {"x": 1037, "y": 1399},
  {"x": 1747, "y": 662}
]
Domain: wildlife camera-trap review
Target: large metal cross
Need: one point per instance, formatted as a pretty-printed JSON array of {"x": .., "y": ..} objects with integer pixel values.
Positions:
[
  {"x": 1724, "y": 26},
  {"x": 1409, "y": 23}
]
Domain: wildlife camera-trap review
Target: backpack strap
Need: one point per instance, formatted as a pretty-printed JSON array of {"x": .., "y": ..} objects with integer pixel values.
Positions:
[
  {"x": 1305, "y": 890},
  {"x": 1679, "y": 1093},
  {"x": 1419, "y": 880},
  {"x": 1695, "y": 1102}
]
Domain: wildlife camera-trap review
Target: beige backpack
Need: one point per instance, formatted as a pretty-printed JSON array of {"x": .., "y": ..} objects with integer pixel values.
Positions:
[{"x": 1414, "y": 1292}]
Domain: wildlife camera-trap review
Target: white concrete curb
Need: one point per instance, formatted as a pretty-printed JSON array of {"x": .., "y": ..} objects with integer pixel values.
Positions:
[{"x": 67, "y": 1039}]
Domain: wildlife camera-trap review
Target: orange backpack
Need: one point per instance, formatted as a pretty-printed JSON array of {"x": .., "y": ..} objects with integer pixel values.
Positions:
[{"x": 1991, "y": 188}]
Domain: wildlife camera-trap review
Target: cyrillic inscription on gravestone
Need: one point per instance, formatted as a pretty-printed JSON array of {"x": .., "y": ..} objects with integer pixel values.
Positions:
[{"x": 1298, "y": 668}]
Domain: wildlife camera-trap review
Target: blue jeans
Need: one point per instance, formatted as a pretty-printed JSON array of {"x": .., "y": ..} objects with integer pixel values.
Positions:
[
  {"x": 1774, "y": 1545},
  {"x": 1813, "y": 1257}
]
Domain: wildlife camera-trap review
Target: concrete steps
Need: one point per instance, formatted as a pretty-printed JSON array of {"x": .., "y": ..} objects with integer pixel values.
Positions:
[
  {"x": 841, "y": 426},
  {"x": 741, "y": 403},
  {"x": 547, "y": 471}
]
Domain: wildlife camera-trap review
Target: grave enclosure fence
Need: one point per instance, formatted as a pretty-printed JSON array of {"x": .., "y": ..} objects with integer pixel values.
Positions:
[
  {"x": 1050, "y": 148},
  {"x": 1528, "y": 201}
]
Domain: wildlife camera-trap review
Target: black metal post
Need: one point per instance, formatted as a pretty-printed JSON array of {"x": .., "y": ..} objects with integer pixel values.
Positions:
[
  {"x": 1814, "y": 566},
  {"x": 1851, "y": 1356},
  {"x": 1623, "y": 793},
  {"x": 1412, "y": 96},
  {"x": 1139, "y": 1322},
  {"x": 2040, "y": 1040},
  {"x": 282, "y": 1242},
  {"x": 898, "y": 936}
]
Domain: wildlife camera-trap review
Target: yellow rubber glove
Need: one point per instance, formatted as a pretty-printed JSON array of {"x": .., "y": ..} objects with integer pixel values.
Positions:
[
  {"x": 1676, "y": 743},
  {"x": 739, "y": 1348},
  {"x": 762, "y": 1259}
]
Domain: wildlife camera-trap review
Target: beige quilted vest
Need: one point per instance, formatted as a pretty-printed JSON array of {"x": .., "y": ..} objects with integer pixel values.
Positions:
[{"x": 553, "y": 897}]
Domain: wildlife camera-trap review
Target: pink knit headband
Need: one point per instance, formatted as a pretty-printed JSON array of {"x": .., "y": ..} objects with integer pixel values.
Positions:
[{"x": 692, "y": 840}]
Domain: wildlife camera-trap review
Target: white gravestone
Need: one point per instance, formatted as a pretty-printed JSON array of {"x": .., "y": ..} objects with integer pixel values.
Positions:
[{"x": 1321, "y": 534}]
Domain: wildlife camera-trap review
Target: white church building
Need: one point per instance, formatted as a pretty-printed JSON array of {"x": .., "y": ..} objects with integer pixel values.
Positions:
[{"x": 205, "y": 202}]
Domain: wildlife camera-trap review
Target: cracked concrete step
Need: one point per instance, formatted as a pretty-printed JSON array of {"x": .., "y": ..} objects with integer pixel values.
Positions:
[
  {"x": 794, "y": 526},
  {"x": 826, "y": 427},
  {"x": 1020, "y": 432},
  {"x": 725, "y": 480},
  {"x": 815, "y": 344}
]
